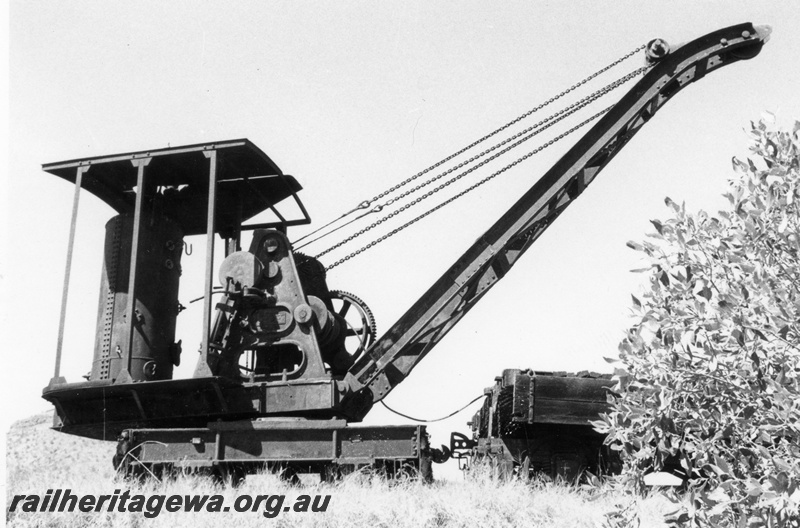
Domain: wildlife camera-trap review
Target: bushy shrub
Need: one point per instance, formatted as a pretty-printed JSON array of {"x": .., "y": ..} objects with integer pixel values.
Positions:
[{"x": 710, "y": 377}]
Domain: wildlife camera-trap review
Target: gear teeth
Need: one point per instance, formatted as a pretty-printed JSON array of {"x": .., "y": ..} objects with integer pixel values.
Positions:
[{"x": 345, "y": 296}]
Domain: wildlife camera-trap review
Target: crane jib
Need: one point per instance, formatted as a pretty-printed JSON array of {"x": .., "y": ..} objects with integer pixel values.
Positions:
[{"x": 396, "y": 353}]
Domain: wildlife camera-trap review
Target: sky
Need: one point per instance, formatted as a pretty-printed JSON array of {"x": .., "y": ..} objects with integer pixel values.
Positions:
[{"x": 351, "y": 98}]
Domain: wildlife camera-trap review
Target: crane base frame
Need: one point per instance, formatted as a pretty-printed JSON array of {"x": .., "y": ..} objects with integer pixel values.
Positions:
[{"x": 325, "y": 447}]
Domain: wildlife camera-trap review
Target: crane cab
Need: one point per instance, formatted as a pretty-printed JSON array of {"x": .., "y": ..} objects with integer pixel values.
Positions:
[{"x": 162, "y": 196}]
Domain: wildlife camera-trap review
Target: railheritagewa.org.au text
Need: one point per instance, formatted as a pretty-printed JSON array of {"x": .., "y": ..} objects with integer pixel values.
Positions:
[{"x": 152, "y": 505}]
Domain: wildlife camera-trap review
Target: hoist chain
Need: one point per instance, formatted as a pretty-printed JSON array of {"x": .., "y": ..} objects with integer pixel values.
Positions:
[
  {"x": 531, "y": 131},
  {"x": 507, "y": 125},
  {"x": 468, "y": 189},
  {"x": 366, "y": 203},
  {"x": 568, "y": 110}
]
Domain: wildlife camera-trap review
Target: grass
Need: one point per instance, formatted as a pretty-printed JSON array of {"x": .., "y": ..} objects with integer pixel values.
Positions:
[{"x": 39, "y": 459}]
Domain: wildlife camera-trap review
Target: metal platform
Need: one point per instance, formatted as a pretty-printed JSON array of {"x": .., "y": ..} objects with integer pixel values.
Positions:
[{"x": 101, "y": 409}]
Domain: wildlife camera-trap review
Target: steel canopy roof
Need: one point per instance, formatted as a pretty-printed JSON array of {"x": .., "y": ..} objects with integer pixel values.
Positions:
[{"x": 248, "y": 182}]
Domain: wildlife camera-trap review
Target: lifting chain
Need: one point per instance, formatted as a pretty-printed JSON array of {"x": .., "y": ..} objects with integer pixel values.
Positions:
[
  {"x": 556, "y": 117},
  {"x": 531, "y": 131},
  {"x": 468, "y": 189},
  {"x": 504, "y": 127},
  {"x": 366, "y": 203}
]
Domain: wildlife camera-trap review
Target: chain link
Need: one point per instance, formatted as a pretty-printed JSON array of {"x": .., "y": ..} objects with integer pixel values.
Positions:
[
  {"x": 468, "y": 189},
  {"x": 507, "y": 125},
  {"x": 532, "y": 132},
  {"x": 366, "y": 203},
  {"x": 576, "y": 105}
]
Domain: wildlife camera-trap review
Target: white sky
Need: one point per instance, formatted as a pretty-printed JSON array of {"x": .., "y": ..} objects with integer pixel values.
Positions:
[{"x": 351, "y": 98}]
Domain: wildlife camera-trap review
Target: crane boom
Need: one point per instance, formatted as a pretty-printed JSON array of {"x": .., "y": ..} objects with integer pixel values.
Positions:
[{"x": 392, "y": 357}]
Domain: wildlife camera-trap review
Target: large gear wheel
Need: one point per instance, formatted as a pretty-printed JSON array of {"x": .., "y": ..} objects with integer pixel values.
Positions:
[{"x": 361, "y": 330}]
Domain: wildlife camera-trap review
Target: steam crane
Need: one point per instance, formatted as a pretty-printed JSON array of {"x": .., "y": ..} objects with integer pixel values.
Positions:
[{"x": 288, "y": 364}]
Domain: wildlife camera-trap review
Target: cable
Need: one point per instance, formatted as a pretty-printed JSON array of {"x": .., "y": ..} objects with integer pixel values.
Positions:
[
  {"x": 541, "y": 126},
  {"x": 531, "y": 132},
  {"x": 453, "y": 198},
  {"x": 217, "y": 289},
  {"x": 366, "y": 203},
  {"x": 437, "y": 419}
]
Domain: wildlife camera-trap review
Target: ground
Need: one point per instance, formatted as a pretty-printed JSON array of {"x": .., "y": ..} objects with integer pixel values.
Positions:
[{"x": 40, "y": 459}]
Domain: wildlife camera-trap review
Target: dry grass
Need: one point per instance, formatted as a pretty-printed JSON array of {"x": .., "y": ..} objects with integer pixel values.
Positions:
[{"x": 40, "y": 459}]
